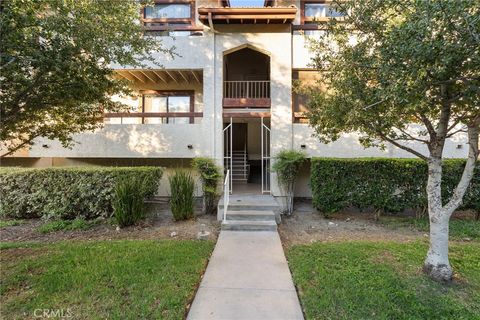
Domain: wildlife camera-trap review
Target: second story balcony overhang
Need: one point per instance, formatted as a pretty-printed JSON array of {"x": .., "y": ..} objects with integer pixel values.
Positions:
[{"x": 261, "y": 15}]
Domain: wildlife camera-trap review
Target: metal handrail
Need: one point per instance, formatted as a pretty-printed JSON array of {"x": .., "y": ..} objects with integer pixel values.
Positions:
[
  {"x": 226, "y": 195},
  {"x": 246, "y": 89}
]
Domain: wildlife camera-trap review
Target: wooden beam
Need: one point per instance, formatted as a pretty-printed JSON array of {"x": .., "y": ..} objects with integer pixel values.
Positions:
[
  {"x": 130, "y": 78},
  {"x": 153, "y": 114},
  {"x": 246, "y": 103},
  {"x": 145, "y": 73},
  {"x": 248, "y": 16},
  {"x": 195, "y": 76},
  {"x": 183, "y": 76},
  {"x": 246, "y": 115},
  {"x": 170, "y": 75},
  {"x": 136, "y": 76},
  {"x": 159, "y": 76},
  {"x": 255, "y": 11}
]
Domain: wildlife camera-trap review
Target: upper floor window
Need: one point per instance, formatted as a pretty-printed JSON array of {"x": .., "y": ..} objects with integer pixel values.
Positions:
[
  {"x": 318, "y": 11},
  {"x": 169, "y": 11},
  {"x": 158, "y": 107},
  {"x": 169, "y": 18}
]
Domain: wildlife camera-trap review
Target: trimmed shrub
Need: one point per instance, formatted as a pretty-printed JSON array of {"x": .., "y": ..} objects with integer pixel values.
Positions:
[
  {"x": 287, "y": 164},
  {"x": 386, "y": 185},
  {"x": 128, "y": 203},
  {"x": 210, "y": 175},
  {"x": 67, "y": 193},
  {"x": 182, "y": 187}
]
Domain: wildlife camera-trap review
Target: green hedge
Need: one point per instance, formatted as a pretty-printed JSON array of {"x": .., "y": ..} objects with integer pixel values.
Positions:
[
  {"x": 67, "y": 193},
  {"x": 388, "y": 185}
]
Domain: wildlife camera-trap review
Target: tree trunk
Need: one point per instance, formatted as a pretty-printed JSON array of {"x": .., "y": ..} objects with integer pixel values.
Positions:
[{"x": 436, "y": 264}]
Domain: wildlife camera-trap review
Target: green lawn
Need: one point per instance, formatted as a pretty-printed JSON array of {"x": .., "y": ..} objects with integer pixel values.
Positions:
[
  {"x": 99, "y": 280},
  {"x": 459, "y": 228},
  {"x": 361, "y": 280}
]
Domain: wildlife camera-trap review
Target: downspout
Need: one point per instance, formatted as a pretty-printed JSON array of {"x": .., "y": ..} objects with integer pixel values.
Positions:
[
  {"x": 215, "y": 113},
  {"x": 210, "y": 23},
  {"x": 291, "y": 87},
  {"x": 214, "y": 92}
]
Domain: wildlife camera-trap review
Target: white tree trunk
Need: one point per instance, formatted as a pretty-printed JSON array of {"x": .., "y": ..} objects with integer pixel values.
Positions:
[{"x": 437, "y": 265}]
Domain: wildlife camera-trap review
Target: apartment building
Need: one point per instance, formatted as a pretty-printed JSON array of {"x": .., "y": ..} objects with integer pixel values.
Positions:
[{"x": 228, "y": 95}]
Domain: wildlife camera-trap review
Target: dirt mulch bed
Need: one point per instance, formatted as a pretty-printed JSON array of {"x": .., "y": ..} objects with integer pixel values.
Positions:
[
  {"x": 307, "y": 226},
  {"x": 158, "y": 225}
]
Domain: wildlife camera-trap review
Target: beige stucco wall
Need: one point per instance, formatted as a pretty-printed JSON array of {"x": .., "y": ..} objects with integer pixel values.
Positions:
[{"x": 167, "y": 141}]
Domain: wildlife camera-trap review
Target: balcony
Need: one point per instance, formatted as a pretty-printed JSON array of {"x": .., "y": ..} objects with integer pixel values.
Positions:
[{"x": 246, "y": 94}]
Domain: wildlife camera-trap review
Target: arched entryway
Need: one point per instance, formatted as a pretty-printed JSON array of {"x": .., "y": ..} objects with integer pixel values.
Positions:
[
  {"x": 246, "y": 78},
  {"x": 246, "y": 101}
]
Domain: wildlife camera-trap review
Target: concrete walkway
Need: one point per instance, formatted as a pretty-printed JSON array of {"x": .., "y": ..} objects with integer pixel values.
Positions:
[{"x": 247, "y": 278}]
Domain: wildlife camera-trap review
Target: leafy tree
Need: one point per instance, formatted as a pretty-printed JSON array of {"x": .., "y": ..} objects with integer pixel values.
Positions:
[
  {"x": 55, "y": 65},
  {"x": 405, "y": 73}
]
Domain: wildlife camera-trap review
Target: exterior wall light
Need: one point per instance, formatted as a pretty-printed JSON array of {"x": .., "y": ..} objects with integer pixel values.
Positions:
[
  {"x": 190, "y": 147},
  {"x": 459, "y": 146},
  {"x": 303, "y": 146}
]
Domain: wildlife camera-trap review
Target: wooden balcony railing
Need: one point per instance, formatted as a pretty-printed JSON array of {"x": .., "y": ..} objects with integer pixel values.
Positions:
[{"x": 254, "y": 94}]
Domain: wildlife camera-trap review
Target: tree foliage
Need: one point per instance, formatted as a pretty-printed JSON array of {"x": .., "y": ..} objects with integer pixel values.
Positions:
[
  {"x": 55, "y": 65},
  {"x": 394, "y": 63},
  {"x": 405, "y": 73}
]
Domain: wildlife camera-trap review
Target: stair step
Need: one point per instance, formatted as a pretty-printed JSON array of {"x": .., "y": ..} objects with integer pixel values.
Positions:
[
  {"x": 236, "y": 225},
  {"x": 251, "y": 215}
]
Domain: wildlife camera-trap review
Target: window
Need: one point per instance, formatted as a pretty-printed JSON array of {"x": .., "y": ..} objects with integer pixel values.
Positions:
[
  {"x": 307, "y": 78},
  {"x": 159, "y": 107},
  {"x": 318, "y": 11},
  {"x": 168, "y": 11},
  {"x": 167, "y": 104},
  {"x": 169, "y": 18}
]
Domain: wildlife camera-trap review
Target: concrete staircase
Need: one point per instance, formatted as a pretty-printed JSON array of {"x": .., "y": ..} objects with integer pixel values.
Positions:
[
  {"x": 239, "y": 166},
  {"x": 250, "y": 213}
]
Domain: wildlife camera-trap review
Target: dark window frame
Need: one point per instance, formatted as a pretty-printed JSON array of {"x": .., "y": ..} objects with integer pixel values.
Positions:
[
  {"x": 304, "y": 20},
  {"x": 191, "y": 115},
  {"x": 170, "y": 93},
  {"x": 188, "y": 24}
]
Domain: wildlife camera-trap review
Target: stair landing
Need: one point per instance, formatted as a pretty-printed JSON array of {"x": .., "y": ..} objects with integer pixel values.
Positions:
[{"x": 250, "y": 213}]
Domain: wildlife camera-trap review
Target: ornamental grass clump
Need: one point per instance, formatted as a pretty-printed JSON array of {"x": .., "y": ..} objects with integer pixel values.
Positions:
[
  {"x": 287, "y": 165},
  {"x": 182, "y": 187},
  {"x": 210, "y": 175},
  {"x": 128, "y": 203}
]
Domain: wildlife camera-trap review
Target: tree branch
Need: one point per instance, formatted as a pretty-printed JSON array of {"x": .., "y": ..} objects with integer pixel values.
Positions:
[
  {"x": 428, "y": 124},
  {"x": 401, "y": 146},
  {"x": 17, "y": 147},
  {"x": 461, "y": 188},
  {"x": 410, "y": 137}
]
